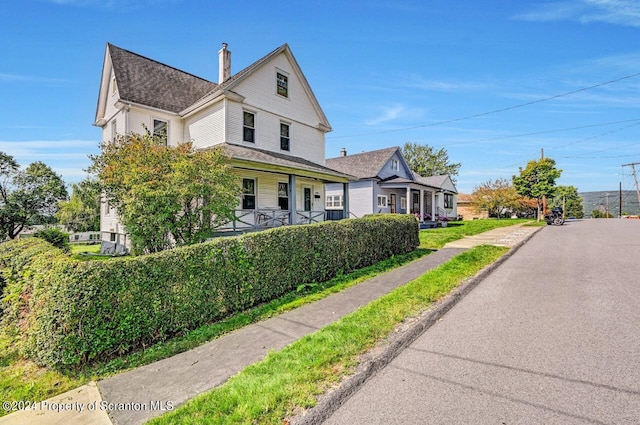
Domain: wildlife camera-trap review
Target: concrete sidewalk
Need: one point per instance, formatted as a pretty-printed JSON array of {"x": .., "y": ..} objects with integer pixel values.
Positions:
[{"x": 138, "y": 395}]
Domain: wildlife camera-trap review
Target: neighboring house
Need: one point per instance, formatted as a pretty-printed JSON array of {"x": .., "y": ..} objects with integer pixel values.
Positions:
[
  {"x": 384, "y": 183},
  {"x": 467, "y": 210},
  {"x": 266, "y": 117}
]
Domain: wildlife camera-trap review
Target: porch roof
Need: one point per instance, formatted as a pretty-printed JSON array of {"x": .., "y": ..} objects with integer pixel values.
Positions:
[
  {"x": 275, "y": 162},
  {"x": 400, "y": 182}
]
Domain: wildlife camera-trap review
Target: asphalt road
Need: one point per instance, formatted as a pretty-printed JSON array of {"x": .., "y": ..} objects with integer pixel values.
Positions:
[{"x": 551, "y": 337}]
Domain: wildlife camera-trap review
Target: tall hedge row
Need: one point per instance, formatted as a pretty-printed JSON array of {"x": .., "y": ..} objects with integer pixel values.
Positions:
[{"x": 69, "y": 312}]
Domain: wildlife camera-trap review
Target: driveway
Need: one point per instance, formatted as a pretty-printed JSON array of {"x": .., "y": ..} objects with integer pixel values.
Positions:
[{"x": 551, "y": 337}]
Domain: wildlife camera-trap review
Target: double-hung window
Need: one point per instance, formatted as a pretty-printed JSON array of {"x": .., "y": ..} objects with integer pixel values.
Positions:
[
  {"x": 285, "y": 140},
  {"x": 249, "y": 127},
  {"x": 334, "y": 202},
  {"x": 283, "y": 196},
  {"x": 448, "y": 200},
  {"x": 382, "y": 201},
  {"x": 282, "y": 84},
  {"x": 160, "y": 131},
  {"x": 248, "y": 194}
]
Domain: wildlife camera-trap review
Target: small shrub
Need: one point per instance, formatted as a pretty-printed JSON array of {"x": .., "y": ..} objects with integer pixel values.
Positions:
[{"x": 55, "y": 237}]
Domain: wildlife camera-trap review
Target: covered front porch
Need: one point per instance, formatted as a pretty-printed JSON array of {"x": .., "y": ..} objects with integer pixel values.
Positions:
[
  {"x": 415, "y": 198},
  {"x": 280, "y": 190}
]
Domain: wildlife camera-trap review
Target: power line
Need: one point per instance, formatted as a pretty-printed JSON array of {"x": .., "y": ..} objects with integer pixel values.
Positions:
[
  {"x": 514, "y": 136},
  {"x": 495, "y": 111}
]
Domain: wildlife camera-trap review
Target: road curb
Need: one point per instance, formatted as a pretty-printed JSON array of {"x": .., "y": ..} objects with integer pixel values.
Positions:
[{"x": 331, "y": 402}]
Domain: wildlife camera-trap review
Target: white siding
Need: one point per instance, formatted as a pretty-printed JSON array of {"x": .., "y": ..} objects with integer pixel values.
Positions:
[
  {"x": 361, "y": 196},
  {"x": 207, "y": 127},
  {"x": 259, "y": 91},
  {"x": 139, "y": 118}
]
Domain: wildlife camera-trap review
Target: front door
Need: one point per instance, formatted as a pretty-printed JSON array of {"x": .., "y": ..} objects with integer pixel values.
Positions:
[
  {"x": 307, "y": 198},
  {"x": 415, "y": 204},
  {"x": 392, "y": 203}
]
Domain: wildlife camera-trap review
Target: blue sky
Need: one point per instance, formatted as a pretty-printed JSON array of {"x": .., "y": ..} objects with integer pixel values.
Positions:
[{"x": 468, "y": 76}]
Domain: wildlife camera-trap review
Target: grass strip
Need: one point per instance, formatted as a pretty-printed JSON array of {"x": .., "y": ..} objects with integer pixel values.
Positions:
[
  {"x": 289, "y": 380},
  {"x": 439, "y": 237}
]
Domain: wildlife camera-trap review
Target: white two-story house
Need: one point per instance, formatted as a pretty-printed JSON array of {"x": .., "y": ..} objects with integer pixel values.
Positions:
[{"x": 266, "y": 117}]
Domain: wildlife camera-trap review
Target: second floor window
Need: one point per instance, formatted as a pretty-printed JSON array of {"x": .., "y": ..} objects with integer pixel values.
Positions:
[
  {"x": 284, "y": 136},
  {"x": 249, "y": 127},
  {"x": 160, "y": 131},
  {"x": 395, "y": 165}
]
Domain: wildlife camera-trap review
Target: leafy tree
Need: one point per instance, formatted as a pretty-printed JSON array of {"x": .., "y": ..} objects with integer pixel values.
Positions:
[
  {"x": 81, "y": 213},
  {"x": 537, "y": 180},
  {"x": 28, "y": 196},
  {"x": 165, "y": 196},
  {"x": 568, "y": 195},
  {"x": 498, "y": 198},
  {"x": 426, "y": 161}
]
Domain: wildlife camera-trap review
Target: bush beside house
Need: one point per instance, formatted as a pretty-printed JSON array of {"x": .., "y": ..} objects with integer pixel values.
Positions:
[{"x": 65, "y": 312}]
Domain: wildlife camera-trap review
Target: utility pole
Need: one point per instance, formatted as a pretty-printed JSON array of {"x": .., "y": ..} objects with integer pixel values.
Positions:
[
  {"x": 620, "y": 204},
  {"x": 635, "y": 176}
]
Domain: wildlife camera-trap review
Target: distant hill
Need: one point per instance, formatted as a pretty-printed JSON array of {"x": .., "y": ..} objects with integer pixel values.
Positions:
[{"x": 598, "y": 201}]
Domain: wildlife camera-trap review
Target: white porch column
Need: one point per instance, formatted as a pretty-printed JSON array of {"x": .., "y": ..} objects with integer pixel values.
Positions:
[
  {"x": 293, "y": 215},
  {"x": 345, "y": 200},
  {"x": 409, "y": 200},
  {"x": 421, "y": 205}
]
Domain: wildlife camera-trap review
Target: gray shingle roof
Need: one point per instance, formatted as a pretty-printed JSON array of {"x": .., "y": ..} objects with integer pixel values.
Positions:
[
  {"x": 363, "y": 165},
  {"x": 148, "y": 82},
  {"x": 279, "y": 159}
]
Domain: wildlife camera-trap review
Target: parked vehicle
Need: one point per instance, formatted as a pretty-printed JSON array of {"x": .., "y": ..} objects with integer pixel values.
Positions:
[{"x": 556, "y": 217}]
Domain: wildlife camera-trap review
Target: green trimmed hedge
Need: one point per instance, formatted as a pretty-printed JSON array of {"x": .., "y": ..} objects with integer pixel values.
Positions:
[{"x": 66, "y": 312}]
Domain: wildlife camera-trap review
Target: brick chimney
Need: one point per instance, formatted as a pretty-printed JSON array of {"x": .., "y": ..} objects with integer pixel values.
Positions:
[
  {"x": 343, "y": 152},
  {"x": 224, "y": 64}
]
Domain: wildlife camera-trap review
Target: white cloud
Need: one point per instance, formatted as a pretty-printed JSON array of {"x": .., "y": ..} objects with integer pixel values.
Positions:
[
  {"x": 418, "y": 82},
  {"x": 390, "y": 113},
  {"x": 615, "y": 12},
  {"x": 18, "y": 78}
]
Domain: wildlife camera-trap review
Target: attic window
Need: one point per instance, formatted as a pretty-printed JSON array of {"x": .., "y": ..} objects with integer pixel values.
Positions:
[
  {"x": 395, "y": 165},
  {"x": 282, "y": 84},
  {"x": 113, "y": 84}
]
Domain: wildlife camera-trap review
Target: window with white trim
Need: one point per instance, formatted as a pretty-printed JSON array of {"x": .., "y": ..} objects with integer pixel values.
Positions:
[
  {"x": 161, "y": 131},
  {"x": 395, "y": 165},
  {"x": 248, "y": 194},
  {"x": 334, "y": 202},
  {"x": 285, "y": 140},
  {"x": 114, "y": 130},
  {"x": 282, "y": 84},
  {"x": 283, "y": 195},
  {"x": 448, "y": 200},
  {"x": 403, "y": 203},
  {"x": 382, "y": 201},
  {"x": 248, "y": 127}
]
